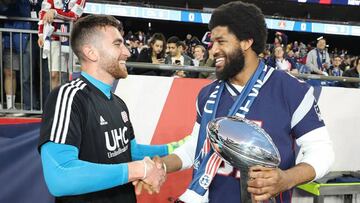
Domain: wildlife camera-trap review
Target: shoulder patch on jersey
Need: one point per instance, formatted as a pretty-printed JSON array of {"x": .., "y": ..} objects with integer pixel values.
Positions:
[{"x": 124, "y": 116}]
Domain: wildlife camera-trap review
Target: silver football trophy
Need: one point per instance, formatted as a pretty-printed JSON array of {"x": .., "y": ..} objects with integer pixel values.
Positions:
[{"x": 243, "y": 144}]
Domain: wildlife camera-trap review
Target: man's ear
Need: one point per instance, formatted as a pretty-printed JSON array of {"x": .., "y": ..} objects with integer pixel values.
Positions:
[
  {"x": 90, "y": 53},
  {"x": 246, "y": 44}
]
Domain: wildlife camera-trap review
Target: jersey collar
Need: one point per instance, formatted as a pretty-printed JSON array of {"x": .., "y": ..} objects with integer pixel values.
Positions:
[{"x": 103, "y": 87}]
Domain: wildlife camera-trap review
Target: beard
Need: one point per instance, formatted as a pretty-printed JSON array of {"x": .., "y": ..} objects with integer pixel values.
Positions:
[
  {"x": 234, "y": 64},
  {"x": 112, "y": 66},
  {"x": 116, "y": 71}
]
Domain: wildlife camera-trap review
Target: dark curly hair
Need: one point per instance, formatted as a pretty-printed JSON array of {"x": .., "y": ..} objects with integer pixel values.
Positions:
[
  {"x": 244, "y": 20},
  {"x": 159, "y": 37}
]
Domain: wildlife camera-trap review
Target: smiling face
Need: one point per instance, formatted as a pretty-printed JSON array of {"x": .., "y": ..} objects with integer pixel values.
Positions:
[
  {"x": 279, "y": 52},
  {"x": 321, "y": 44},
  {"x": 113, "y": 53},
  {"x": 198, "y": 53},
  {"x": 229, "y": 56}
]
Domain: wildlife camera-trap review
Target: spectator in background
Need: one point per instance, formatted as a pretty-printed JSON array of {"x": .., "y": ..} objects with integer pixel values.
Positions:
[
  {"x": 134, "y": 43},
  {"x": 265, "y": 55},
  {"x": 295, "y": 46},
  {"x": 199, "y": 55},
  {"x": 16, "y": 45},
  {"x": 334, "y": 69},
  {"x": 67, "y": 11},
  {"x": 127, "y": 36},
  {"x": 353, "y": 61},
  {"x": 188, "y": 40},
  {"x": 182, "y": 48},
  {"x": 280, "y": 62},
  {"x": 34, "y": 70},
  {"x": 176, "y": 58},
  {"x": 210, "y": 62},
  {"x": 142, "y": 37},
  {"x": 302, "y": 50},
  {"x": 346, "y": 63},
  {"x": 193, "y": 43},
  {"x": 352, "y": 72},
  {"x": 280, "y": 39},
  {"x": 291, "y": 54},
  {"x": 318, "y": 60},
  {"x": 155, "y": 54}
]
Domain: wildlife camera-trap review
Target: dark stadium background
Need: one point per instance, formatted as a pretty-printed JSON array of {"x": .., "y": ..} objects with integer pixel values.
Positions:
[{"x": 342, "y": 14}]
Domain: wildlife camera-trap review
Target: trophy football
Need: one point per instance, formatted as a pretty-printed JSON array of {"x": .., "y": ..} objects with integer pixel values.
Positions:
[{"x": 243, "y": 144}]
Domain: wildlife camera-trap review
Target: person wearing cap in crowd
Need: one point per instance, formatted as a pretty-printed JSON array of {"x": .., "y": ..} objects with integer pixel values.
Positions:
[{"x": 318, "y": 59}]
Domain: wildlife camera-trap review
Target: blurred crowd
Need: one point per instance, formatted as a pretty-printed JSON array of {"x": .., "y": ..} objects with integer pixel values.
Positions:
[
  {"x": 33, "y": 64},
  {"x": 294, "y": 57}
]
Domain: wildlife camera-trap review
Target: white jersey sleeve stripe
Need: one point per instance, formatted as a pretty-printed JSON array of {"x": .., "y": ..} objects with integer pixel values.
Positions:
[
  {"x": 57, "y": 108},
  {"x": 62, "y": 113},
  {"x": 64, "y": 103},
  {"x": 68, "y": 111},
  {"x": 197, "y": 108},
  {"x": 303, "y": 107},
  {"x": 63, "y": 100}
]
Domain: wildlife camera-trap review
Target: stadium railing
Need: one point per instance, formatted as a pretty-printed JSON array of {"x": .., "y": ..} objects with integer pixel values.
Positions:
[
  {"x": 209, "y": 69},
  {"x": 36, "y": 92},
  {"x": 36, "y": 68}
]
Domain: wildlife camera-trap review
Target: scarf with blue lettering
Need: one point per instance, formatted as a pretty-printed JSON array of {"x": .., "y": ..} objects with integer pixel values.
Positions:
[
  {"x": 207, "y": 163},
  {"x": 321, "y": 60}
]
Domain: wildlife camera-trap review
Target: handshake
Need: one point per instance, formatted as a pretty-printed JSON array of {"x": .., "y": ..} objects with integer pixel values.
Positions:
[{"x": 154, "y": 176}]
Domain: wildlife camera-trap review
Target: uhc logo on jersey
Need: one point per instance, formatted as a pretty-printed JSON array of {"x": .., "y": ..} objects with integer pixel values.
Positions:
[{"x": 116, "y": 142}]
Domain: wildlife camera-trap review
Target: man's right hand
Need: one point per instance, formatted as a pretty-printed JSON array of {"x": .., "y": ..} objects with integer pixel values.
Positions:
[
  {"x": 140, "y": 184},
  {"x": 155, "y": 174}
]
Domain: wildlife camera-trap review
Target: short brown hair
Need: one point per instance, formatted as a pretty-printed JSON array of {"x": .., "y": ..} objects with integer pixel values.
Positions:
[
  {"x": 201, "y": 47},
  {"x": 87, "y": 27}
]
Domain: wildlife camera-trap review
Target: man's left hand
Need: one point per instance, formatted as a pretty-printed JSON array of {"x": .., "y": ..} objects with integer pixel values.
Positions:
[
  {"x": 139, "y": 185},
  {"x": 265, "y": 183}
]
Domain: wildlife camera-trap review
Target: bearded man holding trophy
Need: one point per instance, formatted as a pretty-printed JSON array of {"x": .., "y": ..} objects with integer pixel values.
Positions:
[{"x": 251, "y": 120}]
